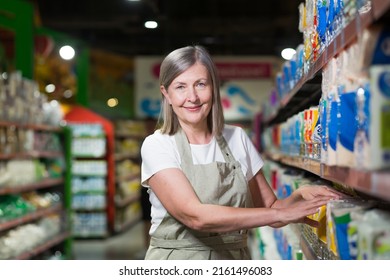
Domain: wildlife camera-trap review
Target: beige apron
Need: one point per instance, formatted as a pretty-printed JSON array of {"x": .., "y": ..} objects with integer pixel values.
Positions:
[{"x": 221, "y": 183}]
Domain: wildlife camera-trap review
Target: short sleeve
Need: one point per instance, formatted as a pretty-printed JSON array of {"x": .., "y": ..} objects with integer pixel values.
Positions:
[
  {"x": 249, "y": 156},
  {"x": 253, "y": 159},
  {"x": 158, "y": 152}
]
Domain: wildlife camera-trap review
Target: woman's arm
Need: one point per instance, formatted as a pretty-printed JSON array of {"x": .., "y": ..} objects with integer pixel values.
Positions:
[
  {"x": 179, "y": 199},
  {"x": 263, "y": 196}
]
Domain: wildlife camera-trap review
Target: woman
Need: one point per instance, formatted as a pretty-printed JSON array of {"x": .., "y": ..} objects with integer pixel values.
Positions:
[{"x": 204, "y": 178}]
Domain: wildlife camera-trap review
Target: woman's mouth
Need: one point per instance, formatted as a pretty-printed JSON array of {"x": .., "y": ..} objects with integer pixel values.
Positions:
[{"x": 193, "y": 108}]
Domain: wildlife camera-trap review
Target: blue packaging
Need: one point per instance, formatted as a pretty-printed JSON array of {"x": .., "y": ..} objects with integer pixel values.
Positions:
[
  {"x": 348, "y": 120},
  {"x": 381, "y": 54}
]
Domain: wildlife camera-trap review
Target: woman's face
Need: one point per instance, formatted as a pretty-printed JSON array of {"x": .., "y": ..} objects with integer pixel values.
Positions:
[{"x": 190, "y": 95}]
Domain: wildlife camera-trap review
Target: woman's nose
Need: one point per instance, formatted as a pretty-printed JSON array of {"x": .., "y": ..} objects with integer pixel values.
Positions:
[{"x": 192, "y": 95}]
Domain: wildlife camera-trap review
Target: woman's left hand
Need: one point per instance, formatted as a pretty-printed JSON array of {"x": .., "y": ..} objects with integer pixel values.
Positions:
[{"x": 309, "y": 192}]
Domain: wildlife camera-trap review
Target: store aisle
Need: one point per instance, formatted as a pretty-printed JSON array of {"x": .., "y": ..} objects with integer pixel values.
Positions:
[{"x": 128, "y": 245}]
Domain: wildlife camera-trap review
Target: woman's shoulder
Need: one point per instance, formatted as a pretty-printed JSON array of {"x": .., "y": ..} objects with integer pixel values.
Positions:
[
  {"x": 158, "y": 138},
  {"x": 236, "y": 136},
  {"x": 233, "y": 131}
]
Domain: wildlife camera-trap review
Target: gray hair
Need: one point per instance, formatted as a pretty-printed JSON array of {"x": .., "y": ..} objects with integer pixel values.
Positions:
[{"x": 172, "y": 66}]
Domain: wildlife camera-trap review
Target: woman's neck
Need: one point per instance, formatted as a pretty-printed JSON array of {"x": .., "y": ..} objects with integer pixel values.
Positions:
[{"x": 197, "y": 135}]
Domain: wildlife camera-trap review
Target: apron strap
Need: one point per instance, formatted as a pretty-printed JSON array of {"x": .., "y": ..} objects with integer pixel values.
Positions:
[
  {"x": 220, "y": 242},
  {"x": 185, "y": 148},
  {"x": 226, "y": 152}
]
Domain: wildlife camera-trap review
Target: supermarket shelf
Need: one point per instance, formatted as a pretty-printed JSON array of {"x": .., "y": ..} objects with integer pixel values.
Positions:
[
  {"x": 42, "y": 127},
  {"x": 127, "y": 224},
  {"x": 307, "y": 92},
  {"x": 30, "y": 217},
  {"x": 90, "y": 235},
  {"x": 42, "y": 184},
  {"x": 76, "y": 137},
  {"x": 123, "y": 202},
  {"x": 89, "y": 156},
  {"x": 375, "y": 183},
  {"x": 312, "y": 247},
  {"x": 32, "y": 155},
  {"x": 307, "y": 164},
  {"x": 91, "y": 209},
  {"x": 307, "y": 250},
  {"x": 127, "y": 178},
  {"x": 88, "y": 174},
  {"x": 310, "y": 165},
  {"x": 129, "y": 135},
  {"x": 124, "y": 156},
  {"x": 43, "y": 247},
  {"x": 309, "y": 86}
]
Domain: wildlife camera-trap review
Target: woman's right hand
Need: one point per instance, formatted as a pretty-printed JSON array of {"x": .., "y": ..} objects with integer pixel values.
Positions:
[{"x": 298, "y": 211}]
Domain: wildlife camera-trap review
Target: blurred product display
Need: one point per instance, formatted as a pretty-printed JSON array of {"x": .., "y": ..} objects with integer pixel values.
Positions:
[
  {"x": 70, "y": 172},
  {"x": 326, "y": 124}
]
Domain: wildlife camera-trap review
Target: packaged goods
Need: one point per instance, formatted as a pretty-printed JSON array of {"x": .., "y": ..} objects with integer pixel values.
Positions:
[
  {"x": 332, "y": 128},
  {"x": 340, "y": 213},
  {"x": 329, "y": 109},
  {"x": 316, "y": 133},
  {"x": 361, "y": 141},
  {"x": 373, "y": 233},
  {"x": 320, "y": 217},
  {"x": 378, "y": 149},
  {"x": 347, "y": 130}
]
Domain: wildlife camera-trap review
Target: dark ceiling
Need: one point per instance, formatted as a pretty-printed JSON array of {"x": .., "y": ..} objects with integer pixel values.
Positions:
[{"x": 225, "y": 27}]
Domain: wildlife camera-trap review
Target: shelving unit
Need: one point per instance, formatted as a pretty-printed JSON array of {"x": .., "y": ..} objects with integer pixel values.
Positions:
[
  {"x": 374, "y": 183},
  {"x": 89, "y": 181},
  {"x": 129, "y": 135},
  {"x": 307, "y": 92},
  {"x": 308, "y": 88},
  {"x": 44, "y": 184}
]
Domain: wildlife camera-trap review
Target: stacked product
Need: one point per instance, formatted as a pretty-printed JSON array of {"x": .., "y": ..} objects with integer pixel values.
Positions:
[
  {"x": 26, "y": 237},
  {"x": 354, "y": 104},
  {"x": 89, "y": 185},
  {"x": 348, "y": 126},
  {"x": 357, "y": 230},
  {"x": 319, "y": 22},
  {"x": 349, "y": 228},
  {"x": 32, "y": 167},
  {"x": 21, "y": 102},
  {"x": 343, "y": 137},
  {"x": 129, "y": 135}
]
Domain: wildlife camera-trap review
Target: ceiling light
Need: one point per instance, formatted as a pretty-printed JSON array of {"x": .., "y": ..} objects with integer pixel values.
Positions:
[
  {"x": 112, "y": 102},
  {"x": 67, "y": 52},
  {"x": 288, "y": 53},
  {"x": 50, "y": 88},
  {"x": 68, "y": 93},
  {"x": 151, "y": 24}
]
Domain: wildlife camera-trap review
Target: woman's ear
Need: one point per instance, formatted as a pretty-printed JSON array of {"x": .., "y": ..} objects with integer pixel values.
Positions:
[{"x": 165, "y": 93}]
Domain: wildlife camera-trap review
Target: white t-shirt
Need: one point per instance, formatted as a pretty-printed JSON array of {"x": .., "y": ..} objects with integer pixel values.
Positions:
[{"x": 159, "y": 151}]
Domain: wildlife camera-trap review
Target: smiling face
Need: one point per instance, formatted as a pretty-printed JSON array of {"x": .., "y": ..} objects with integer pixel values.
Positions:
[{"x": 190, "y": 95}]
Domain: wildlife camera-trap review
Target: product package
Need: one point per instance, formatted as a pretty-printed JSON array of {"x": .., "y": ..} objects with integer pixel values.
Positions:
[
  {"x": 329, "y": 109},
  {"x": 339, "y": 215},
  {"x": 373, "y": 233},
  {"x": 372, "y": 144},
  {"x": 320, "y": 217},
  {"x": 379, "y": 126},
  {"x": 347, "y": 130},
  {"x": 361, "y": 143}
]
